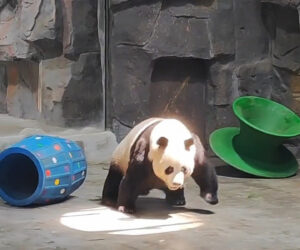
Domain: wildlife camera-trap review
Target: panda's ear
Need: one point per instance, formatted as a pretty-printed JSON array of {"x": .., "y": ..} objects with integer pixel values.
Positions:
[
  {"x": 188, "y": 143},
  {"x": 162, "y": 142}
]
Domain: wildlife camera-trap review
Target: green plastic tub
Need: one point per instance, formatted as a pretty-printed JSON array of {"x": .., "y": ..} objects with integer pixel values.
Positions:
[{"x": 257, "y": 146}]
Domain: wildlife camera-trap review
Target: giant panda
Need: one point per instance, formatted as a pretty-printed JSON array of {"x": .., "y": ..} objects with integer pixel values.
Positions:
[{"x": 158, "y": 153}]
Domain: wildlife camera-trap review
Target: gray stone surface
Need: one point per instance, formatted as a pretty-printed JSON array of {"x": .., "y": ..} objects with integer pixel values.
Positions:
[
  {"x": 224, "y": 87},
  {"x": 97, "y": 144},
  {"x": 134, "y": 26},
  {"x": 185, "y": 36},
  {"x": 35, "y": 38},
  {"x": 255, "y": 78},
  {"x": 145, "y": 34},
  {"x": 80, "y": 27},
  {"x": 193, "y": 29},
  {"x": 22, "y": 89},
  {"x": 82, "y": 101},
  {"x": 130, "y": 58},
  {"x": 30, "y": 29},
  {"x": 129, "y": 102},
  {"x": 55, "y": 77},
  {"x": 116, "y": 2},
  {"x": 72, "y": 90},
  {"x": 252, "y": 214},
  {"x": 41, "y": 26},
  {"x": 3, "y": 89},
  {"x": 251, "y": 38},
  {"x": 248, "y": 47},
  {"x": 291, "y": 3},
  {"x": 285, "y": 36}
]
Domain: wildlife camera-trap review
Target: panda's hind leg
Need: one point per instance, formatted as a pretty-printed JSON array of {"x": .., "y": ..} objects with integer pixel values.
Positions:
[
  {"x": 176, "y": 197},
  {"x": 111, "y": 186}
]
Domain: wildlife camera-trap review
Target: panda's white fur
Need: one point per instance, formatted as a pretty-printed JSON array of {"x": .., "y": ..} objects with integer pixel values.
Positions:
[
  {"x": 174, "y": 154},
  {"x": 121, "y": 154}
]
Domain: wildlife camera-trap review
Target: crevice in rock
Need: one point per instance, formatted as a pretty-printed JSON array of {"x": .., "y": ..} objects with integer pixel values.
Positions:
[
  {"x": 130, "y": 45},
  {"x": 222, "y": 59},
  {"x": 179, "y": 3},
  {"x": 190, "y": 17},
  {"x": 154, "y": 26},
  {"x": 130, "y": 4},
  {"x": 122, "y": 122},
  {"x": 290, "y": 50}
]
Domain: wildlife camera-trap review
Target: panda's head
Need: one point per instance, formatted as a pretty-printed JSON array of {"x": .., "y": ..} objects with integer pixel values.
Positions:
[{"x": 172, "y": 152}]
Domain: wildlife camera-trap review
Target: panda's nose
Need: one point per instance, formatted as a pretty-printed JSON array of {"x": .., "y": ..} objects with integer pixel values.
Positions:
[{"x": 178, "y": 179}]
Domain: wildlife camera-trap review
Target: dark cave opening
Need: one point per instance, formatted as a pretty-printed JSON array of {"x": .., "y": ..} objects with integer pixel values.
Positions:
[{"x": 178, "y": 90}]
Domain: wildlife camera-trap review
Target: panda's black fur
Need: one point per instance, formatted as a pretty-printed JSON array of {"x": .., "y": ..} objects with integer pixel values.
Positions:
[{"x": 122, "y": 189}]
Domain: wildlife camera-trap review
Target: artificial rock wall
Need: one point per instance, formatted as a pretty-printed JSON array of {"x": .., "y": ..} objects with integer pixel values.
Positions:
[
  {"x": 76, "y": 62},
  {"x": 192, "y": 58},
  {"x": 50, "y": 62}
]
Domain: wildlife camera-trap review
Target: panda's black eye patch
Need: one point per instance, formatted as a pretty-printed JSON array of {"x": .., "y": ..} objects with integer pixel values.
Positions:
[{"x": 169, "y": 170}]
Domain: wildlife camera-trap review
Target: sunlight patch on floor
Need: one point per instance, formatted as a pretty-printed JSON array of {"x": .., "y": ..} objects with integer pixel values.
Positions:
[{"x": 103, "y": 219}]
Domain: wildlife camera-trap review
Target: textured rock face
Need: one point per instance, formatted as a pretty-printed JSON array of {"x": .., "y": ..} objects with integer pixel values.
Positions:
[
  {"x": 188, "y": 59},
  {"x": 151, "y": 44},
  {"x": 289, "y": 3},
  {"x": 3, "y": 89},
  {"x": 51, "y": 61},
  {"x": 285, "y": 36},
  {"x": 80, "y": 25},
  {"x": 30, "y": 29},
  {"x": 191, "y": 59},
  {"x": 75, "y": 100},
  {"x": 281, "y": 19},
  {"x": 22, "y": 89}
]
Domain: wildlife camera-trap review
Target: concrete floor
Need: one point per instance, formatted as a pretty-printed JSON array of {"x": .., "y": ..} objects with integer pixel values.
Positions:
[{"x": 252, "y": 214}]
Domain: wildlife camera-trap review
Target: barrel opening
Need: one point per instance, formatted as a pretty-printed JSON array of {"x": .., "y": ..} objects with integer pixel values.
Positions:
[{"x": 18, "y": 176}]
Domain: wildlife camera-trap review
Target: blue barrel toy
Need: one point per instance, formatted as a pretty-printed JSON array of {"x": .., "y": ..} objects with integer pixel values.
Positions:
[{"x": 41, "y": 170}]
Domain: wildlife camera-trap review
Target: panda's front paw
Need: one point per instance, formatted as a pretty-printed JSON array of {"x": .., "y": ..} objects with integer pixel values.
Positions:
[
  {"x": 175, "y": 198},
  {"x": 109, "y": 203},
  {"x": 126, "y": 210},
  {"x": 176, "y": 202},
  {"x": 180, "y": 202}
]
